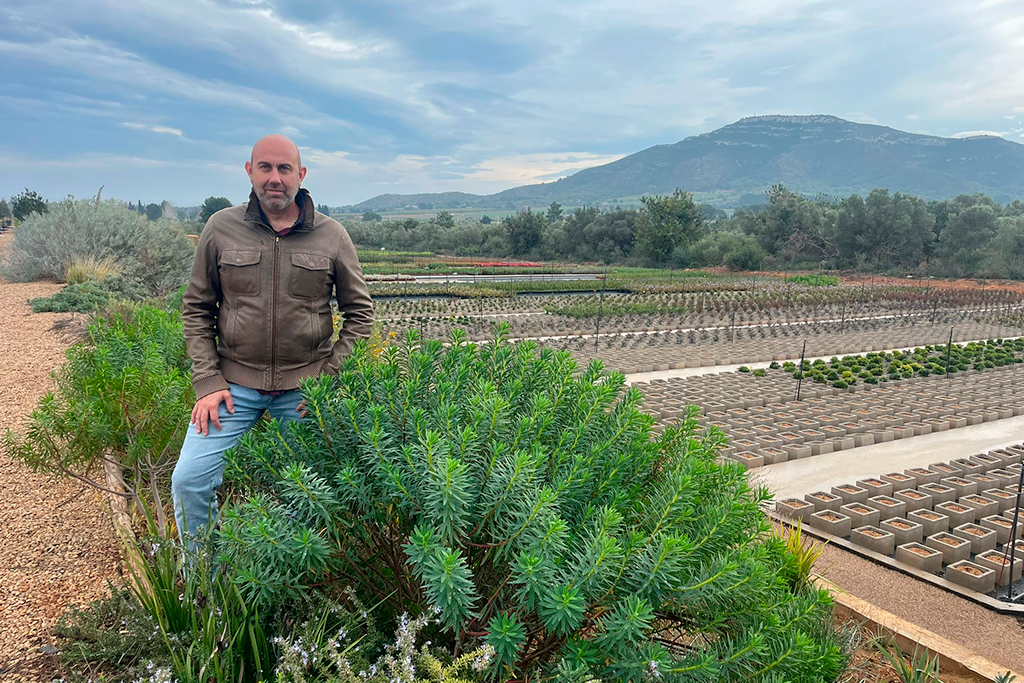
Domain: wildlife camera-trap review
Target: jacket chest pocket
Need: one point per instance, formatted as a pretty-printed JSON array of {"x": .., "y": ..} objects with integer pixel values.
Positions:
[
  {"x": 310, "y": 275},
  {"x": 240, "y": 271}
]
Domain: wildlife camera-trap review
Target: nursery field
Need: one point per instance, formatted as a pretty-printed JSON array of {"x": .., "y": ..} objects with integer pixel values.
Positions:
[
  {"x": 476, "y": 478},
  {"x": 876, "y": 373}
]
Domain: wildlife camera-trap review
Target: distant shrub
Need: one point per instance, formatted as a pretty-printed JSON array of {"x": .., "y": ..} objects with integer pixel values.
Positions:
[
  {"x": 89, "y": 296},
  {"x": 78, "y": 298},
  {"x": 156, "y": 254},
  {"x": 816, "y": 280},
  {"x": 746, "y": 256}
]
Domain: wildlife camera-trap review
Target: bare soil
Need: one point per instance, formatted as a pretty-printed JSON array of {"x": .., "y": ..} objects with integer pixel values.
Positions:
[
  {"x": 869, "y": 666},
  {"x": 967, "y": 569},
  {"x": 57, "y": 543}
]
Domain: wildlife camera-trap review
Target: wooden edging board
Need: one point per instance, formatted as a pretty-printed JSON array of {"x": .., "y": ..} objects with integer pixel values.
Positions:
[{"x": 953, "y": 658}]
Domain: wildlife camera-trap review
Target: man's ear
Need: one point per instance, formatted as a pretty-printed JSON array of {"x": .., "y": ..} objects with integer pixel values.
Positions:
[
  {"x": 248, "y": 169},
  {"x": 302, "y": 173}
]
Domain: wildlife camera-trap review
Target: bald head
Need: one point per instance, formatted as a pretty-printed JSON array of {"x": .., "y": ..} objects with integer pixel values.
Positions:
[
  {"x": 276, "y": 172},
  {"x": 276, "y": 145}
]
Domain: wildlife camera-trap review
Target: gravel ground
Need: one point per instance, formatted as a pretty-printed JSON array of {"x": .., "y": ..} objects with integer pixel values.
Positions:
[
  {"x": 997, "y": 637},
  {"x": 57, "y": 544}
]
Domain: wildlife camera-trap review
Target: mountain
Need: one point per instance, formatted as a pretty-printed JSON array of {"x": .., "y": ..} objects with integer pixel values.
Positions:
[{"x": 735, "y": 164}]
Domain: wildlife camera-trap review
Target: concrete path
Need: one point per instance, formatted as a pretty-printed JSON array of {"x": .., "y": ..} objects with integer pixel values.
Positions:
[{"x": 822, "y": 472}]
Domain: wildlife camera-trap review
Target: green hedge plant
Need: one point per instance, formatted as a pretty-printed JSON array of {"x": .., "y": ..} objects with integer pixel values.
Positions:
[
  {"x": 525, "y": 504},
  {"x": 121, "y": 400}
]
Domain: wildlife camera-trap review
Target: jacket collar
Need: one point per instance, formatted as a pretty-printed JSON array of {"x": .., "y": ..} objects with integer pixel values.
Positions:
[{"x": 252, "y": 209}]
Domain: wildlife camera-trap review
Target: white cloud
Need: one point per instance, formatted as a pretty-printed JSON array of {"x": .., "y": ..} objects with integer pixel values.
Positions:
[
  {"x": 166, "y": 129},
  {"x": 775, "y": 71},
  {"x": 134, "y": 125},
  {"x": 314, "y": 159},
  {"x": 102, "y": 63},
  {"x": 976, "y": 71},
  {"x": 861, "y": 117},
  {"x": 974, "y": 133},
  {"x": 406, "y": 163},
  {"x": 92, "y": 161},
  {"x": 523, "y": 169},
  {"x": 323, "y": 42}
]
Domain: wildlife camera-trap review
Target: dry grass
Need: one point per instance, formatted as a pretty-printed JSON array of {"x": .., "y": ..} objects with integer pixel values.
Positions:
[{"x": 86, "y": 268}]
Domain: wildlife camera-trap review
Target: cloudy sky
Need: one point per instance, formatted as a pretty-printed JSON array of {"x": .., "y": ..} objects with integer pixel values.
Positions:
[{"x": 162, "y": 100}]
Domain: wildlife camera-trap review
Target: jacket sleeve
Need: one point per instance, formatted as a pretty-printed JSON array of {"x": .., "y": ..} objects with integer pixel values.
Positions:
[
  {"x": 200, "y": 308},
  {"x": 354, "y": 304}
]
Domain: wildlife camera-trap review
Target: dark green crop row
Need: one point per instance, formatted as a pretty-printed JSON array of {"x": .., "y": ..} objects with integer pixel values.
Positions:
[{"x": 872, "y": 368}]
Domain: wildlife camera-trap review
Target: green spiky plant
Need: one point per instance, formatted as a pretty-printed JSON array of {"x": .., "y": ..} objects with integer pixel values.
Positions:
[
  {"x": 531, "y": 507},
  {"x": 801, "y": 556},
  {"x": 921, "y": 668}
]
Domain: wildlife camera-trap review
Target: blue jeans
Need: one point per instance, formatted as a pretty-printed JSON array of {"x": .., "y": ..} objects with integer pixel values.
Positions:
[{"x": 200, "y": 467}]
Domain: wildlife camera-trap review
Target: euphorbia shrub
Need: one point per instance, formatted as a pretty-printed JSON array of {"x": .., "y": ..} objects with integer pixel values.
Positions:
[{"x": 532, "y": 508}]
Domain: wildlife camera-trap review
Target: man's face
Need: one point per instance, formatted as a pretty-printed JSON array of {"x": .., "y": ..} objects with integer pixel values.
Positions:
[{"x": 276, "y": 174}]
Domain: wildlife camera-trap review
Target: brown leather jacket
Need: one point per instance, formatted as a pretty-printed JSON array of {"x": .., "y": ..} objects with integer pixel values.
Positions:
[{"x": 257, "y": 309}]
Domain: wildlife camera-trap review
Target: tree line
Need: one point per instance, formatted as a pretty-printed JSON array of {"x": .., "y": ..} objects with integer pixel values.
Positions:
[{"x": 886, "y": 232}]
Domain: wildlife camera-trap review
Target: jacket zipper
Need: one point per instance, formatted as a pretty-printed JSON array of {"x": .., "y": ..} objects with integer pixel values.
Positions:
[{"x": 273, "y": 315}]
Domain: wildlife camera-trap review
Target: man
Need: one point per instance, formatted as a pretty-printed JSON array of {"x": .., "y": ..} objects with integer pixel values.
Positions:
[{"x": 257, "y": 318}]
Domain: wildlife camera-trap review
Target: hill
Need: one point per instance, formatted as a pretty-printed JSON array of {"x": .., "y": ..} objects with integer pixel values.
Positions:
[{"x": 735, "y": 164}]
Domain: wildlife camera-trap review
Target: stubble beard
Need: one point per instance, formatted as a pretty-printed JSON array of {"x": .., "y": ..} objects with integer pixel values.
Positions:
[{"x": 276, "y": 203}]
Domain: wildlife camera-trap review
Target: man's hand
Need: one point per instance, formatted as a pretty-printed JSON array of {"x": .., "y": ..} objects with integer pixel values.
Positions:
[
  {"x": 205, "y": 410},
  {"x": 301, "y": 408}
]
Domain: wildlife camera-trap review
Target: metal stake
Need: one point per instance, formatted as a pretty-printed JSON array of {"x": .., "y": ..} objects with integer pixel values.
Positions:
[
  {"x": 800, "y": 379},
  {"x": 949, "y": 350},
  {"x": 1013, "y": 536},
  {"x": 600, "y": 309}
]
